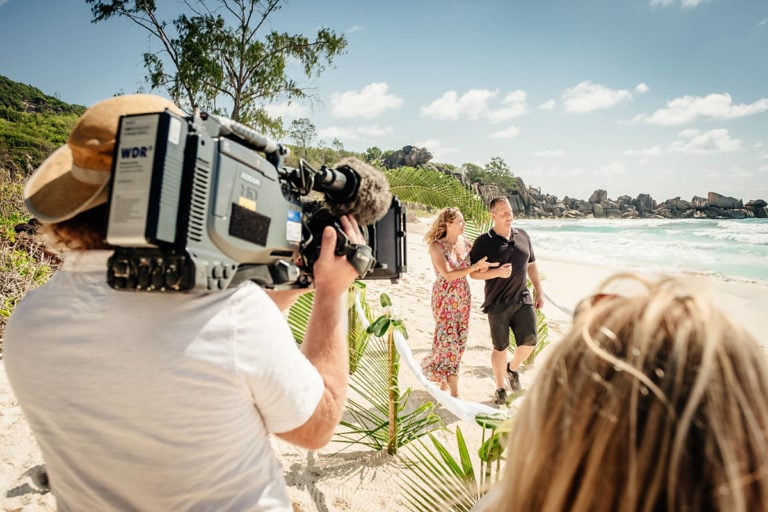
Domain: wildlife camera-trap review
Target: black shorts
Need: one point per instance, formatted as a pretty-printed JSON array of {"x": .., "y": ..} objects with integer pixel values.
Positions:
[{"x": 521, "y": 318}]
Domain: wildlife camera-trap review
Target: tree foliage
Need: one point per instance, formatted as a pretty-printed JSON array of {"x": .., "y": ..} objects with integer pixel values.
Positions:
[
  {"x": 303, "y": 133},
  {"x": 497, "y": 167},
  {"x": 211, "y": 60},
  {"x": 373, "y": 155},
  {"x": 32, "y": 126},
  {"x": 495, "y": 172}
]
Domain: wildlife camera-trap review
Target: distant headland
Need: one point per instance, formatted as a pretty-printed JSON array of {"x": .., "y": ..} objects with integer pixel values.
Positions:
[{"x": 532, "y": 203}]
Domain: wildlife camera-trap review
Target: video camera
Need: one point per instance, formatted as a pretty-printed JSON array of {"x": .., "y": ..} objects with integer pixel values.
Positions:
[{"x": 195, "y": 206}]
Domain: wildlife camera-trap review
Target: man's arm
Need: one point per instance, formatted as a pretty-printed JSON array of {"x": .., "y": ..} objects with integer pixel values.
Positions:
[
  {"x": 538, "y": 295},
  {"x": 325, "y": 342},
  {"x": 494, "y": 270},
  {"x": 503, "y": 271}
]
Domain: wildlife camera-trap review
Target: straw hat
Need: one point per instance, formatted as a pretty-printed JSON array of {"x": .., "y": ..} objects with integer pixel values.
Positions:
[{"x": 75, "y": 177}]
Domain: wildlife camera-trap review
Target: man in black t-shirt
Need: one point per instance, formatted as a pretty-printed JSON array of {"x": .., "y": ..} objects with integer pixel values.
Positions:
[{"x": 508, "y": 303}]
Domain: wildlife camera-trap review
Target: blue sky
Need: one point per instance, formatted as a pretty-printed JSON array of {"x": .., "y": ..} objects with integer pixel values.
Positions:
[{"x": 665, "y": 97}]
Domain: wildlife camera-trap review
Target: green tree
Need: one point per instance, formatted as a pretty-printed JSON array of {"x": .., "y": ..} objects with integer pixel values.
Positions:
[
  {"x": 337, "y": 146},
  {"x": 373, "y": 155},
  {"x": 497, "y": 167},
  {"x": 498, "y": 172},
  {"x": 303, "y": 132},
  {"x": 473, "y": 172},
  {"x": 208, "y": 59}
]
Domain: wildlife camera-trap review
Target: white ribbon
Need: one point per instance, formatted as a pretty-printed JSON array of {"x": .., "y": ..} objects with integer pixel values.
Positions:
[{"x": 463, "y": 409}]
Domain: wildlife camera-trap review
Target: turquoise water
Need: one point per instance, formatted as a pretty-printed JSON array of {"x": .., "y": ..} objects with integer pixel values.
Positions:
[{"x": 724, "y": 248}]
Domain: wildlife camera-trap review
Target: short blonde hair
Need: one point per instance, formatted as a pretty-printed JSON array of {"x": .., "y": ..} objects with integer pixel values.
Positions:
[{"x": 651, "y": 402}]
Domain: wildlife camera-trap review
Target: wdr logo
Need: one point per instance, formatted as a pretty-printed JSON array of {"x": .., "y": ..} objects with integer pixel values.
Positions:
[{"x": 135, "y": 152}]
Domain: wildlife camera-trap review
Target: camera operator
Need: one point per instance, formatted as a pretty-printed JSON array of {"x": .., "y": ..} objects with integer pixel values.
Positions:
[{"x": 164, "y": 401}]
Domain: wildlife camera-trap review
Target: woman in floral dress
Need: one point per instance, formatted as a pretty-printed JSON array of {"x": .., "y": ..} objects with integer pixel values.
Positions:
[{"x": 450, "y": 297}]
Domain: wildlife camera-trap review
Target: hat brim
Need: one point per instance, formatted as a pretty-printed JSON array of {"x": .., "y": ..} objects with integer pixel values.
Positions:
[{"x": 53, "y": 194}]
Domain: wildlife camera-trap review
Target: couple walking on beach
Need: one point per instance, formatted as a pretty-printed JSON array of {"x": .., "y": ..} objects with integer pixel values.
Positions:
[{"x": 502, "y": 257}]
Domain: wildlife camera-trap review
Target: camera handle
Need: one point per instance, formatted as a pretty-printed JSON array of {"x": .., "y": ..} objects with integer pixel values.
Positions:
[{"x": 361, "y": 258}]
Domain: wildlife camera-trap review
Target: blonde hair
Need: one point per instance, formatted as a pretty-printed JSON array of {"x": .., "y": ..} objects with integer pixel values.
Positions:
[
  {"x": 652, "y": 402},
  {"x": 439, "y": 228}
]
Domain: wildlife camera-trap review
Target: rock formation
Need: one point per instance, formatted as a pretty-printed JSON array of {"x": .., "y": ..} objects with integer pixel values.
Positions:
[{"x": 530, "y": 202}]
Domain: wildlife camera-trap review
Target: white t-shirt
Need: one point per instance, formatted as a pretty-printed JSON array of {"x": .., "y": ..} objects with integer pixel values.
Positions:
[{"x": 157, "y": 401}]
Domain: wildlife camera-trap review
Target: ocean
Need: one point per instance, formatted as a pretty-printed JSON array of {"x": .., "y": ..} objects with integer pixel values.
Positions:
[{"x": 734, "y": 249}]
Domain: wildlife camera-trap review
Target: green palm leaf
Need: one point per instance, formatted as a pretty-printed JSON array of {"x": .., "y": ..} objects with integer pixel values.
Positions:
[
  {"x": 366, "y": 417},
  {"x": 436, "y": 189},
  {"x": 435, "y": 480},
  {"x": 357, "y": 337}
]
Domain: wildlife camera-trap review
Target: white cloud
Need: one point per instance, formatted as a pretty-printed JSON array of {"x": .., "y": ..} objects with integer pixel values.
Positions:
[
  {"x": 576, "y": 171},
  {"x": 685, "y": 4},
  {"x": 586, "y": 97},
  {"x": 353, "y": 29},
  {"x": 612, "y": 169},
  {"x": 450, "y": 106},
  {"x": 337, "y": 132},
  {"x": 548, "y": 105},
  {"x": 374, "y": 99},
  {"x": 285, "y": 110},
  {"x": 353, "y": 133},
  {"x": 763, "y": 168},
  {"x": 475, "y": 104},
  {"x": 513, "y": 105},
  {"x": 689, "y": 133},
  {"x": 549, "y": 153},
  {"x": 509, "y": 133},
  {"x": 696, "y": 108},
  {"x": 642, "y": 88},
  {"x": 434, "y": 146},
  {"x": 704, "y": 143},
  {"x": 645, "y": 152},
  {"x": 374, "y": 131},
  {"x": 762, "y": 22}
]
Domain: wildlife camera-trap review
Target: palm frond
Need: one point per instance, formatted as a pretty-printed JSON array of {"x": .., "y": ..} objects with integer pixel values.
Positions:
[
  {"x": 366, "y": 416},
  {"x": 436, "y": 189},
  {"x": 357, "y": 337},
  {"x": 435, "y": 480},
  {"x": 298, "y": 316}
]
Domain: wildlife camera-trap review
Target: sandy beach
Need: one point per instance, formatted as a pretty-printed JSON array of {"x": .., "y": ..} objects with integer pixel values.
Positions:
[{"x": 356, "y": 478}]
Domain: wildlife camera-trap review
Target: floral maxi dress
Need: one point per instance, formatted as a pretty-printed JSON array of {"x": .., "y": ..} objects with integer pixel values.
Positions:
[{"x": 450, "y": 309}]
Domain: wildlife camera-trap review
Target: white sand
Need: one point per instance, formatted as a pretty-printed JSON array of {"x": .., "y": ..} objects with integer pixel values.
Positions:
[{"x": 357, "y": 478}]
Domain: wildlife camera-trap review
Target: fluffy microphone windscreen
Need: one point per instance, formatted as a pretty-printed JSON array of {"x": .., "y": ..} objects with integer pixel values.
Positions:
[{"x": 373, "y": 197}]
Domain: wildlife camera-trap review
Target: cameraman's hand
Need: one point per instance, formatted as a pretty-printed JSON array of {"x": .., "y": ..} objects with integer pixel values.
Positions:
[{"x": 333, "y": 273}]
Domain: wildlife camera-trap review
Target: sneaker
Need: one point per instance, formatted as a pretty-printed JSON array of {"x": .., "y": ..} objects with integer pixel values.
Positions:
[
  {"x": 501, "y": 397},
  {"x": 514, "y": 379}
]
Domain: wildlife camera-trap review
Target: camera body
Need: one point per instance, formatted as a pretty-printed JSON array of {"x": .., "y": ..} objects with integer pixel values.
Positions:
[{"x": 202, "y": 203}]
